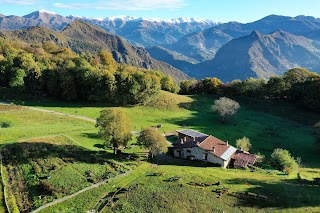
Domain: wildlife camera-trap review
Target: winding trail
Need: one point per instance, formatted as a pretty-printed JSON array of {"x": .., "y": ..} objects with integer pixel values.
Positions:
[
  {"x": 82, "y": 190},
  {"x": 64, "y": 114},
  {"x": 54, "y": 112}
]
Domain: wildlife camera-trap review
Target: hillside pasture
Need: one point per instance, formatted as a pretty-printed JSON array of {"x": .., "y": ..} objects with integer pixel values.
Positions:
[
  {"x": 43, "y": 169},
  {"x": 26, "y": 123},
  {"x": 268, "y": 124},
  {"x": 191, "y": 187}
]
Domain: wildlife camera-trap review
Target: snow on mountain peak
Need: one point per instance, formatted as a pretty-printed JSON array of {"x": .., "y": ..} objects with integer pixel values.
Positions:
[
  {"x": 45, "y": 11},
  {"x": 173, "y": 21}
]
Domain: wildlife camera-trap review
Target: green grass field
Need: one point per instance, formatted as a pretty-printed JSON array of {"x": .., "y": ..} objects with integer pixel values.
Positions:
[
  {"x": 43, "y": 169},
  {"x": 25, "y": 124},
  {"x": 267, "y": 124},
  {"x": 158, "y": 194}
]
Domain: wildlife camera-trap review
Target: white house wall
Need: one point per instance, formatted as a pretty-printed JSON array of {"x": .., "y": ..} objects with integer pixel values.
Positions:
[
  {"x": 213, "y": 159},
  {"x": 199, "y": 154}
]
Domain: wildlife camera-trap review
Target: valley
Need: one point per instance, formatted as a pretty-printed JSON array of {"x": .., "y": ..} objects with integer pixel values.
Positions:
[
  {"x": 139, "y": 114},
  {"x": 194, "y": 46}
]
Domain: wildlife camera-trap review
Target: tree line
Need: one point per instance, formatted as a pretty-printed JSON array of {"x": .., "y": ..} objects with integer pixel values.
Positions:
[
  {"x": 51, "y": 70},
  {"x": 297, "y": 85}
]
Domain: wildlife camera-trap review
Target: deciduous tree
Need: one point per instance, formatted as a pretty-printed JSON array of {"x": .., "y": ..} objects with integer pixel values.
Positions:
[
  {"x": 244, "y": 144},
  {"x": 282, "y": 159},
  {"x": 114, "y": 128},
  {"x": 225, "y": 107},
  {"x": 153, "y": 139}
]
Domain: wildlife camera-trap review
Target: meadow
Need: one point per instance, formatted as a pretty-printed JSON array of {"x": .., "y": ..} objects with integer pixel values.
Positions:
[
  {"x": 39, "y": 170},
  {"x": 25, "y": 124},
  {"x": 268, "y": 125},
  {"x": 156, "y": 193}
]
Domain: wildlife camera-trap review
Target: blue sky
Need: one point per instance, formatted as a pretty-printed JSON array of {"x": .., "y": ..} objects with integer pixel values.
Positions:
[{"x": 220, "y": 10}]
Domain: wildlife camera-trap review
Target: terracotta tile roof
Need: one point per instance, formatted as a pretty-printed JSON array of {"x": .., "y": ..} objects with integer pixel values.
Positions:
[
  {"x": 242, "y": 159},
  {"x": 217, "y": 147}
]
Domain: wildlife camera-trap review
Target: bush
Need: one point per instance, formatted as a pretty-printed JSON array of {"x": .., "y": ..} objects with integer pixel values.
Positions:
[
  {"x": 283, "y": 161},
  {"x": 5, "y": 124},
  {"x": 244, "y": 144}
]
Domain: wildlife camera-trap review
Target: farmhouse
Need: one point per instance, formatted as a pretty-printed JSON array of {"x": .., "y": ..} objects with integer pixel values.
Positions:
[{"x": 195, "y": 145}]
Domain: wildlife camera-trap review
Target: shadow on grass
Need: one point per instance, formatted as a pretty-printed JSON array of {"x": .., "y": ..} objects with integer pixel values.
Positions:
[
  {"x": 268, "y": 124},
  {"x": 19, "y": 153},
  {"x": 91, "y": 135},
  {"x": 282, "y": 194},
  {"x": 100, "y": 146},
  {"x": 167, "y": 159}
]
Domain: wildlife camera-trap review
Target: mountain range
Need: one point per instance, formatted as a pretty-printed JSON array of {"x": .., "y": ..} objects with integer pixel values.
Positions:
[
  {"x": 84, "y": 37},
  {"x": 200, "y": 48},
  {"x": 138, "y": 31},
  {"x": 262, "y": 56}
]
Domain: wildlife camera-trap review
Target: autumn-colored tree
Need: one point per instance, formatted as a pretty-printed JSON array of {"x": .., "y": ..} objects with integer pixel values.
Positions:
[
  {"x": 153, "y": 140},
  {"x": 244, "y": 144},
  {"x": 107, "y": 60},
  {"x": 297, "y": 75},
  {"x": 114, "y": 128},
  {"x": 212, "y": 85}
]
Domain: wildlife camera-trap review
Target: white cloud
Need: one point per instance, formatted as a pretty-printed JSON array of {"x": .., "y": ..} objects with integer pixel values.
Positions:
[
  {"x": 19, "y": 2},
  {"x": 126, "y": 5}
]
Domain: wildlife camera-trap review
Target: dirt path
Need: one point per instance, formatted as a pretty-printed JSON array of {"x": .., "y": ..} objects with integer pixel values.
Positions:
[
  {"x": 65, "y": 114},
  {"x": 79, "y": 192},
  {"x": 82, "y": 190},
  {"x": 56, "y": 113}
]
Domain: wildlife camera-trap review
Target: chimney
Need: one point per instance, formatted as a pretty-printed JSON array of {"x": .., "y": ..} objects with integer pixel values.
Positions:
[
  {"x": 227, "y": 143},
  {"x": 213, "y": 149},
  {"x": 181, "y": 141},
  {"x": 185, "y": 139}
]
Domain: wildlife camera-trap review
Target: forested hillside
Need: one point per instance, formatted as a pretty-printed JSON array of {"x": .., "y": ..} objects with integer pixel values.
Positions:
[
  {"x": 297, "y": 85},
  {"x": 48, "y": 69},
  {"x": 83, "y": 38}
]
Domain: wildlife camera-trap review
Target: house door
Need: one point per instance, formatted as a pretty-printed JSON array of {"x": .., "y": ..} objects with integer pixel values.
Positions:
[{"x": 205, "y": 156}]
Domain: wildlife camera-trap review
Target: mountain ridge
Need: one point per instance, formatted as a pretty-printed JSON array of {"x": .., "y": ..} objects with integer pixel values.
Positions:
[
  {"x": 81, "y": 37},
  {"x": 152, "y": 31},
  {"x": 202, "y": 47},
  {"x": 262, "y": 56}
]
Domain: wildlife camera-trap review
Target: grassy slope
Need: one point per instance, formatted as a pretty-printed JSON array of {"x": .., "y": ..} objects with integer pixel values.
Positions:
[
  {"x": 88, "y": 199},
  {"x": 268, "y": 125},
  {"x": 29, "y": 124},
  {"x": 283, "y": 194},
  {"x": 30, "y": 161}
]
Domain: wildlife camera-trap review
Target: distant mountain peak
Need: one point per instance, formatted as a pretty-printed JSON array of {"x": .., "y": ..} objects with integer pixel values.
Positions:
[
  {"x": 46, "y": 11},
  {"x": 39, "y": 12},
  {"x": 274, "y": 17},
  {"x": 256, "y": 34},
  {"x": 179, "y": 20},
  {"x": 307, "y": 18}
]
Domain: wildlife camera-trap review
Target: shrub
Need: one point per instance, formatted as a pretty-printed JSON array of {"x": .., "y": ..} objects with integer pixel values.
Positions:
[
  {"x": 283, "y": 161},
  {"x": 244, "y": 144},
  {"x": 5, "y": 124}
]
